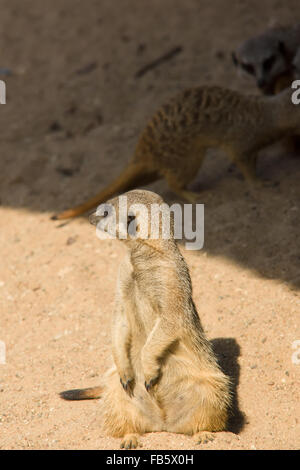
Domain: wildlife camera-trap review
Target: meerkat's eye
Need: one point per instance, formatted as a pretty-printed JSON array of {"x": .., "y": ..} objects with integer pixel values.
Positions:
[
  {"x": 248, "y": 68},
  {"x": 268, "y": 63},
  {"x": 105, "y": 213}
]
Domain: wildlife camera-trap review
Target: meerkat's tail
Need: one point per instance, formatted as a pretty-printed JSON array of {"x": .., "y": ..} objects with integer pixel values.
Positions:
[
  {"x": 82, "y": 393},
  {"x": 134, "y": 175}
]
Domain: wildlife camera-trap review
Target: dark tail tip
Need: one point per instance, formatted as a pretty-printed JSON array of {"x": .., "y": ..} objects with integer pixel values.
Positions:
[
  {"x": 54, "y": 217},
  {"x": 75, "y": 394},
  {"x": 82, "y": 393}
]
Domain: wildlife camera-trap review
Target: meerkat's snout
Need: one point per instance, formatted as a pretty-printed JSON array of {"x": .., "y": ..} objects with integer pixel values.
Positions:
[
  {"x": 102, "y": 212},
  {"x": 108, "y": 219},
  {"x": 264, "y": 86},
  {"x": 94, "y": 219},
  {"x": 261, "y": 83},
  {"x": 104, "y": 220}
]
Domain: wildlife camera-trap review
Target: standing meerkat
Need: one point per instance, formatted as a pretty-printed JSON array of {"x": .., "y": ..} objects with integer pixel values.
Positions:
[
  {"x": 166, "y": 376},
  {"x": 174, "y": 142},
  {"x": 268, "y": 57}
]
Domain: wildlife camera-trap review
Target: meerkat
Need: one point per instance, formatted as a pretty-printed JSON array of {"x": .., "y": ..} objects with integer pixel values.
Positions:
[
  {"x": 165, "y": 376},
  {"x": 175, "y": 140},
  {"x": 268, "y": 57}
]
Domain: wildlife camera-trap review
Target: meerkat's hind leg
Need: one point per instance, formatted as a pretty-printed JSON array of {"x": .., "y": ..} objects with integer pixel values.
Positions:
[
  {"x": 246, "y": 163},
  {"x": 179, "y": 180},
  {"x": 179, "y": 188},
  {"x": 130, "y": 441},
  {"x": 128, "y": 417}
]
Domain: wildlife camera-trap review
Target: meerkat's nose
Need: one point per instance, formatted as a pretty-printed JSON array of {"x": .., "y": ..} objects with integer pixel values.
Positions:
[
  {"x": 261, "y": 82},
  {"x": 94, "y": 218}
]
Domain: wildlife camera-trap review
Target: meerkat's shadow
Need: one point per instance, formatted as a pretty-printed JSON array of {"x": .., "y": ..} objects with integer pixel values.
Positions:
[{"x": 227, "y": 351}]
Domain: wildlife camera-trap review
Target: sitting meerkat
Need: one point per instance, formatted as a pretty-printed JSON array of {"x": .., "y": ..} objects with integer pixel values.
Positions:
[
  {"x": 165, "y": 375},
  {"x": 174, "y": 142},
  {"x": 268, "y": 57}
]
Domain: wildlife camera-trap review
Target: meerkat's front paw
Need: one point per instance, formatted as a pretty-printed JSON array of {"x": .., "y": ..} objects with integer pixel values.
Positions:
[
  {"x": 127, "y": 380},
  {"x": 151, "y": 371},
  {"x": 150, "y": 383},
  {"x": 130, "y": 441},
  {"x": 151, "y": 379},
  {"x": 127, "y": 384},
  {"x": 203, "y": 437}
]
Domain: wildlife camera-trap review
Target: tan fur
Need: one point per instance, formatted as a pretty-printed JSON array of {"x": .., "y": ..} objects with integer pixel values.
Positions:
[
  {"x": 165, "y": 375},
  {"x": 174, "y": 142}
]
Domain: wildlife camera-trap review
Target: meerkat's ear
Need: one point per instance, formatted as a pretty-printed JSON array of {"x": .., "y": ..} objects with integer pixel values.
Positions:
[{"x": 234, "y": 58}]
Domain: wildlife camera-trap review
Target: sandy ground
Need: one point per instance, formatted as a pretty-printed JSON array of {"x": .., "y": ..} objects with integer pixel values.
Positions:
[{"x": 74, "y": 111}]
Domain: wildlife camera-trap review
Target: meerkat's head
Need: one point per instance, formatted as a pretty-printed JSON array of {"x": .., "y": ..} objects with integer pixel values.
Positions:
[
  {"x": 133, "y": 217},
  {"x": 263, "y": 57}
]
